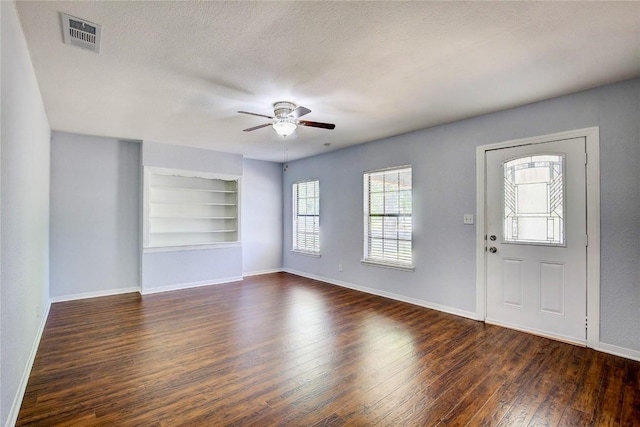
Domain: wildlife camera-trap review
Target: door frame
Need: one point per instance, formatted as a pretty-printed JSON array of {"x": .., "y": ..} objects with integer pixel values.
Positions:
[{"x": 592, "y": 138}]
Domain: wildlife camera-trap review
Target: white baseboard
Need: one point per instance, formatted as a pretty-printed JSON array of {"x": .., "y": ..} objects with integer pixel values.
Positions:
[
  {"x": 179, "y": 286},
  {"x": 258, "y": 273},
  {"x": 391, "y": 295},
  {"x": 619, "y": 351},
  {"x": 17, "y": 400},
  {"x": 96, "y": 294}
]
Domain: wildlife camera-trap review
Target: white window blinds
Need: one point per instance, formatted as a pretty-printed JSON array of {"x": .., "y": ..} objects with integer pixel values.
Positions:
[
  {"x": 306, "y": 216},
  {"x": 388, "y": 214}
]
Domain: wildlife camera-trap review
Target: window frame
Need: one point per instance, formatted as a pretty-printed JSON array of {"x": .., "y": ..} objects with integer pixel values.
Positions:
[
  {"x": 296, "y": 215},
  {"x": 368, "y": 259}
]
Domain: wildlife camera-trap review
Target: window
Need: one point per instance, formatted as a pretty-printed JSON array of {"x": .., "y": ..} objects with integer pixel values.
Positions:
[
  {"x": 306, "y": 216},
  {"x": 534, "y": 200},
  {"x": 387, "y": 217}
]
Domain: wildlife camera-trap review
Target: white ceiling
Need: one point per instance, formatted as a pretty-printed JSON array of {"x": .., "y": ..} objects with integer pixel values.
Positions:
[{"x": 177, "y": 72}]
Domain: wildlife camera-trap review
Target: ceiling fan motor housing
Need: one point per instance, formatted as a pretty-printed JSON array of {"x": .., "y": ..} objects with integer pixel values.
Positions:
[{"x": 283, "y": 108}]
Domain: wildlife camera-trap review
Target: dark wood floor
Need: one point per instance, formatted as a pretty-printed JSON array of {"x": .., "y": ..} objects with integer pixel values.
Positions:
[{"x": 279, "y": 349}]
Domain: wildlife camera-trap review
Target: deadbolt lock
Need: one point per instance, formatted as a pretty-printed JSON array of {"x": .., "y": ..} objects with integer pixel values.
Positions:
[{"x": 492, "y": 237}]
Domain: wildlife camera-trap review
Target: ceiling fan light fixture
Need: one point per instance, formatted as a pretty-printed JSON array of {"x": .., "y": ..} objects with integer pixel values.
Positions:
[
  {"x": 284, "y": 128},
  {"x": 285, "y": 119}
]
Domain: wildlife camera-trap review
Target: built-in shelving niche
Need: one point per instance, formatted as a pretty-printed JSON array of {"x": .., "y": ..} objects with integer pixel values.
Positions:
[{"x": 185, "y": 209}]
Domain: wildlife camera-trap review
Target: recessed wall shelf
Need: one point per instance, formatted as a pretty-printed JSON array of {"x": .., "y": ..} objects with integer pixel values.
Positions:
[{"x": 186, "y": 208}]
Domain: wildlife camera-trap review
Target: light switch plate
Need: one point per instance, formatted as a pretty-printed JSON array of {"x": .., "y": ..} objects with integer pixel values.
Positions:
[{"x": 468, "y": 219}]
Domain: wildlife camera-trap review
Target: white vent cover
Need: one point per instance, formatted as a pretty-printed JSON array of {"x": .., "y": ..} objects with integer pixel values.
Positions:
[{"x": 81, "y": 33}]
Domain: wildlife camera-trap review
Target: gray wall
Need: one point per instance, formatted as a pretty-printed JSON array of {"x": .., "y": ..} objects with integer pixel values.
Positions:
[
  {"x": 95, "y": 223},
  {"x": 443, "y": 160},
  {"x": 178, "y": 269},
  {"x": 261, "y": 217},
  {"x": 189, "y": 158},
  {"x": 95, "y": 193},
  {"x": 24, "y": 233}
]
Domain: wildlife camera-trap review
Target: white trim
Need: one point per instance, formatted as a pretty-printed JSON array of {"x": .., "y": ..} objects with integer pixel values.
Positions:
[
  {"x": 592, "y": 137},
  {"x": 382, "y": 264},
  {"x": 12, "y": 418},
  {"x": 191, "y": 173},
  {"x": 260, "y": 272},
  {"x": 397, "y": 297},
  {"x": 154, "y": 290},
  {"x": 306, "y": 253},
  {"x": 619, "y": 351},
  {"x": 390, "y": 168},
  {"x": 181, "y": 248},
  {"x": 481, "y": 299},
  {"x": 96, "y": 294},
  {"x": 146, "y": 178},
  {"x": 306, "y": 180}
]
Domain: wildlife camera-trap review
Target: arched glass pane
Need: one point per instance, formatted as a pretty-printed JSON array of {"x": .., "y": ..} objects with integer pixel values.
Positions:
[{"x": 533, "y": 200}]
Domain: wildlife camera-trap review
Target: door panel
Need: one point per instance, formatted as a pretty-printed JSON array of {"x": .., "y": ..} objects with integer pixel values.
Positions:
[
  {"x": 536, "y": 227},
  {"x": 512, "y": 281},
  {"x": 552, "y": 287}
]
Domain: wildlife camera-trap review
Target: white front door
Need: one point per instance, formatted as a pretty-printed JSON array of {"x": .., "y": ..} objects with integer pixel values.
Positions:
[{"x": 536, "y": 272}]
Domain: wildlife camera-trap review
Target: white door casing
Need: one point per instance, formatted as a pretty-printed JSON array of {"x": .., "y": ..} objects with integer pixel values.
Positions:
[{"x": 560, "y": 284}]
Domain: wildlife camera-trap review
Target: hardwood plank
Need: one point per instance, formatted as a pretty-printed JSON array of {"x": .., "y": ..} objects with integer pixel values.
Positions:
[
  {"x": 419, "y": 388},
  {"x": 279, "y": 349},
  {"x": 476, "y": 398},
  {"x": 574, "y": 418},
  {"x": 590, "y": 382},
  {"x": 562, "y": 385},
  {"x": 332, "y": 420},
  {"x": 631, "y": 400},
  {"x": 461, "y": 382},
  {"x": 533, "y": 393},
  {"x": 609, "y": 407},
  {"x": 521, "y": 378}
]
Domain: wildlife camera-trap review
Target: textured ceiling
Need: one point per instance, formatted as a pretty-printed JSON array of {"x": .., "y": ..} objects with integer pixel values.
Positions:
[{"x": 177, "y": 71}]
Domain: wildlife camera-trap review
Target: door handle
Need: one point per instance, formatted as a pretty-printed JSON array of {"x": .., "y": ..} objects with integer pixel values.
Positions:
[{"x": 493, "y": 249}]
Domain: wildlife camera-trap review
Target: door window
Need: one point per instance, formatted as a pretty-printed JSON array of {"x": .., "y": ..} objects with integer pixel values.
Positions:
[{"x": 533, "y": 200}]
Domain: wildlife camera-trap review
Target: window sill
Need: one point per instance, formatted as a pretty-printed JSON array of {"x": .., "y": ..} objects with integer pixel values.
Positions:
[
  {"x": 311, "y": 254},
  {"x": 388, "y": 265}
]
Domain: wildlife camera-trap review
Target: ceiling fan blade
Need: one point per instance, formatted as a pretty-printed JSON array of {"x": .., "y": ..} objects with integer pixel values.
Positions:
[
  {"x": 317, "y": 124},
  {"x": 255, "y": 114},
  {"x": 299, "y": 112},
  {"x": 256, "y": 127}
]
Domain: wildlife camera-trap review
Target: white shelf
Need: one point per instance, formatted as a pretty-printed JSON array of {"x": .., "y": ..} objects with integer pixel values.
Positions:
[
  {"x": 193, "y": 217},
  {"x": 192, "y": 189},
  {"x": 193, "y": 231},
  {"x": 193, "y": 203},
  {"x": 189, "y": 247},
  {"x": 190, "y": 209}
]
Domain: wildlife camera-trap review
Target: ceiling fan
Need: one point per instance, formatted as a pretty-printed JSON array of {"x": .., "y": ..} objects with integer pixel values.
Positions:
[{"x": 285, "y": 119}]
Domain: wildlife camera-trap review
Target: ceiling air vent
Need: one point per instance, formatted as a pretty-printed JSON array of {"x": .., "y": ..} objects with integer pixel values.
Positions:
[{"x": 81, "y": 33}]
